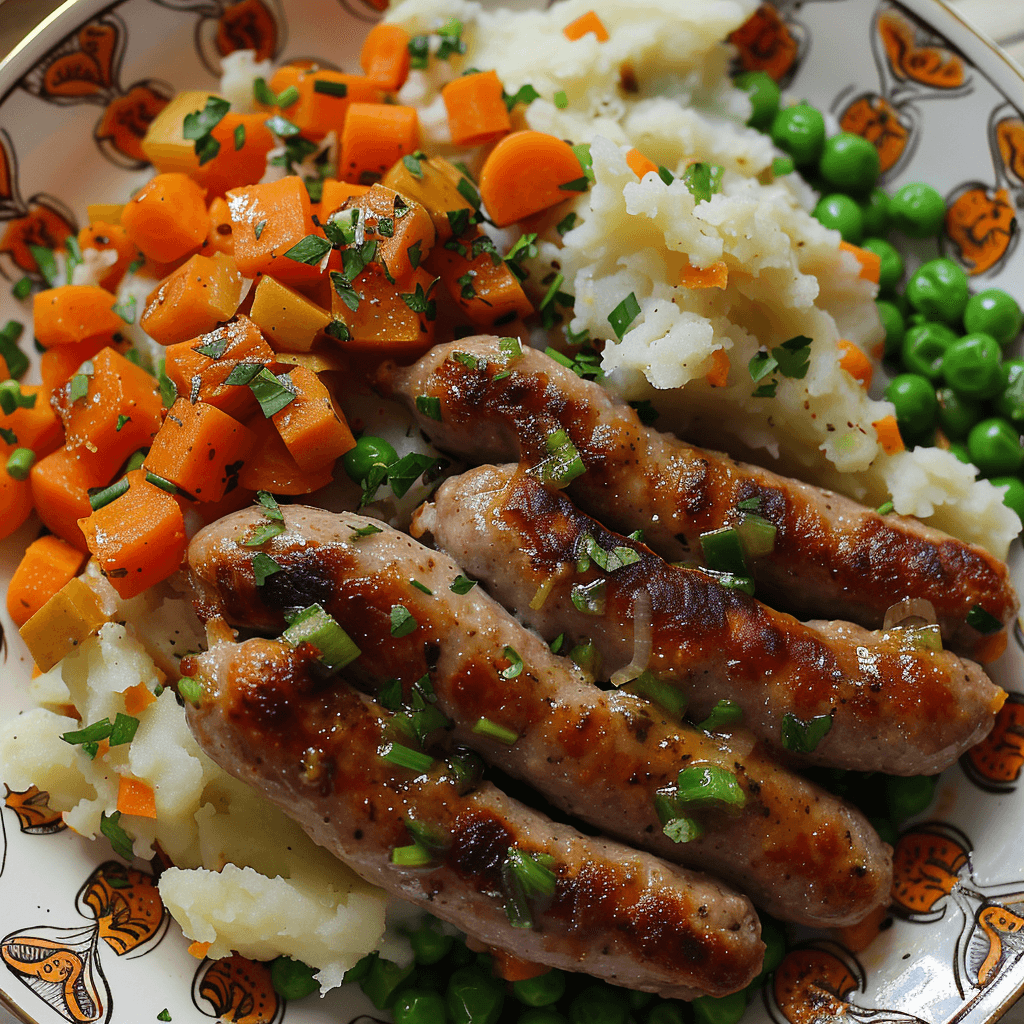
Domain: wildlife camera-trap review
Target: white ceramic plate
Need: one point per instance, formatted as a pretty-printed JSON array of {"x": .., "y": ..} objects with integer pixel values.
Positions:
[{"x": 945, "y": 108}]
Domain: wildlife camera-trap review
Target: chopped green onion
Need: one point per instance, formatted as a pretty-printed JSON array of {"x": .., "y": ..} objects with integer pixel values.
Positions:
[
  {"x": 336, "y": 89},
  {"x": 552, "y": 290},
  {"x": 421, "y": 587},
  {"x": 589, "y": 598},
  {"x": 282, "y": 127},
  {"x": 983, "y": 621},
  {"x": 9, "y": 436},
  {"x": 191, "y": 690},
  {"x": 239, "y": 136},
  {"x": 390, "y": 694},
  {"x": 666, "y": 175},
  {"x": 411, "y": 856},
  {"x": 706, "y": 784},
  {"x": 885, "y": 508},
  {"x": 723, "y": 551},
  {"x": 582, "y": 151},
  {"x": 309, "y": 250},
  {"x": 89, "y": 734},
  {"x": 159, "y": 481},
  {"x": 703, "y": 180},
  {"x": 402, "y": 621},
  {"x": 406, "y": 757},
  {"x": 561, "y": 100},
  {"x": 365, "y": 531},
  {"x": 563, "y": 463},
  {"x": 622, "y": 316},
  {"x": 78, "y": 387},
  {"x": 46, "y": 263},
  {"x": 757, "y": 536},
  {"x": 724, "y": 713},
  {"x": 516, "y": 666},
  {"x": 313, "y": 625},
  {"x": 731, "y": 581},
  {"x": 105, "y": 495},
  {"x": 136, "y": 460},
  {"x": 419, "y": 52},
  {"x": 567, "y": 223},
  {"x": 749, "y": 504},
  {"x": 576, "y": 185},
  {"x": 430, "y": 406},
  {"x": 110, "y": 826},
  {"x": 16, "y": 360},
  {"x": 525, "y": 94},
  {"x": 556, "y": 645},
  {"x": 682, "y": 829},
  {"x": 123, "y": 730},
  {"x": 258, "y": 227},
  {"x": 22, "y": 288},
  {"x": 803, "y": 737},
  {"x": 485, "y": 727},
  {"x": 122, "y": 421},
  {"x": 263, "y": 566},
  {"x": 666, "y": 695},
  {"x": 127, "y": 310},
  {"x": 19, "y": 463}
]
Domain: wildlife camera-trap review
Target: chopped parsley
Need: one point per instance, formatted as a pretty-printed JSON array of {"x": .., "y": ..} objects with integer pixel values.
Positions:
[
  {"x": 703, "y": 180},
  {"x": 310, "y": 250},
  {"x": 461, "y": 585},
  {"x": 110, "y": 826},
  {"x": 263, "y": 567},
  {"x": 803, "y": 736},
  {"x": 402, "y": 621},
  {"x": 622, "y": 316},
  {"x": 198, "y": 125}
]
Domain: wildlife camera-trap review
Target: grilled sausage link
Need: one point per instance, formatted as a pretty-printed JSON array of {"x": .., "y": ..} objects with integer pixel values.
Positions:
[
  {"x": 832, "y": 557},
  {"x": 318, "y": 749},
  {"x": 610, "y": 759},
  {"x": 894, "y": 705}
]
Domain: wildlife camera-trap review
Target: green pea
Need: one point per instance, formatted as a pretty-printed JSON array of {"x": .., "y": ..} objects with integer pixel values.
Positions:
[
  {"x": 474, "y": 997},
  {"x": 429, "y": 944},
  {"x": 800, "y": 132},
  {"x": 599, "y": 1004},
  {"x": 666, "y": 1012},
  {"x": 915, "y": 402},
  {"x": 419, "y": 1006},
  {"x": 382, "y": 981},
  {"x": 849, "y": 162},
  {"x": 957, "y": 414},
  {"x": 876, "y": 213},
  {"x": 994, "y": 312},
  {"x": 893, "y": 325},
  {"x": 938, "y": 289},
  {"x": 972, "y": 366},
  {"x": 917, "y": 211},
  {"x": 764, "y": 96},
  {"x": 908, "y": 795},
  {"x": 1010, "y": 400},
  {"x": 924, "y": 346},
  {"x": 1013, "y": 496},
  {"x": 842, "y": 214},
  {"x": 542, "y": 1015},
  {"x": 961, "y": 452},
  {"x": 542, "y": 990},
  {"x": 727, "y": 1010},
  {"x": 368, "y": 452},
  {"x": 890, "y": 273},
  {"x": 994, "y": 447},
  {"x": 292, "y": 979}
]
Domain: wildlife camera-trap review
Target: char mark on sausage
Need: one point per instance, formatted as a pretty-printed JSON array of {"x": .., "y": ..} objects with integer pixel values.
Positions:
[
  {"x": 314, "y": 747},
  {"x": 832, "y": 557},
  {"x": 895, "y": 705},
  {"x": 607, "y": 758}
]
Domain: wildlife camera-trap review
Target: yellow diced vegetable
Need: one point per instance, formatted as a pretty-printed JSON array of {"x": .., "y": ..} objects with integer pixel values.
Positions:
[
  {"x": 434, "y": 184},
  {"x": 71, "y": 616},
  {"x": 165, "y": 146},
  {"x": 106, "y": 213},
  {"x": 288, "y": 320}
]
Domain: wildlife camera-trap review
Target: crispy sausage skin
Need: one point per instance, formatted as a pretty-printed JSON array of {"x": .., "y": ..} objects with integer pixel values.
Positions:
[
  {"x": 832, "y": 557},
  {"x": 895, "y": 706},
  {"x": 314, "y": 747},
  {"x": 605, "y": 757}
]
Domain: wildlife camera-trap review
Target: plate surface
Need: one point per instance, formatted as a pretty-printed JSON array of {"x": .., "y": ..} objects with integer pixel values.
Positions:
[{"x": 941, "y": 105}]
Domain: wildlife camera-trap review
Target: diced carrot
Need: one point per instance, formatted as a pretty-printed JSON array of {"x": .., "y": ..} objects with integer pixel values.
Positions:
[
  {"x": 640, "y": 164},
  {"x": 990, "y": 647},
  {"x": 272, "y": 467},
  {"x": 73, "y": 313},
  {"x": 870, "y": 262},
  {"x": 384, "y": 322},
  {"x": 199, "y": 949},
  {"x": 399, "y": 226},
  {"x": 36, "y": 427},
  {"x": 120, "y": 411},
  {"x": 15, "y": 496},
  {"x": 889, "y": 435},
  {"x": 167, "y": 219},
  {"x": 855, "y": 363},
  {"x": 138, "y": 539},
  {"x": 199, "y": 449},
  {"x": 235, "y": 164},
  {"x": 60, "y": 490},
  {"x": 104, "y": 236},
  {"x": 48, "y": 563},
  {"x": 718, "y": 375},
  {"x": 137, "y": 698},
  {"x": 199, "y": 368},
  {"x": 384, "y": 56},
  {"x": 476, "y": 109},
  {"x": 203, "y": 292},
  {"x": 374, "y": 137},
  {"x": 325, "y": 99},
  {"x": 527, "y": 171},
  {"x": 234, "y": 499},
  {"x": 335, "y": 193},
  {"x": 857, "y": 937},
  {"x": 287, "y": 318},
  {"x": 714, "y": 276},
  {"x": 585, "y": 23},
  {"x": 220, "y": 237},
  {"x": 268, "y": 219},
  {"x": 434, "y": 183},
  {"x": 56, "y": 365},
  {"x": 312, "y": 427},
  {"x": 487, "y": 292},
  {"x": 513, "y": 968},
  {"x": 286, "y": 76},
  {"x": 136, "y": 797}
]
